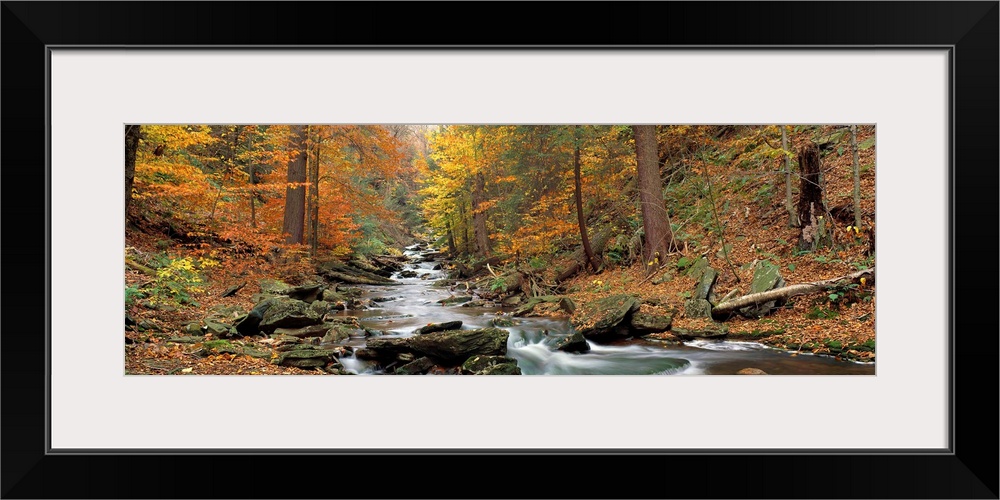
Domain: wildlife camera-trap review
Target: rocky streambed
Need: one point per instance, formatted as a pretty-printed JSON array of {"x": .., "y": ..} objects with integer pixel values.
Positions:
[{"x": 406, "y": 316}]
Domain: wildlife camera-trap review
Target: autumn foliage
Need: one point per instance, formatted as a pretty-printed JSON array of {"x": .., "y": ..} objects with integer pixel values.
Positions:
[{"x": 231, "y": 179}]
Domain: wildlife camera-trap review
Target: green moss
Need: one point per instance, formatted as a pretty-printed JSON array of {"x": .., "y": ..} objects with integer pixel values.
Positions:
[{"x": 217, "y": 344}]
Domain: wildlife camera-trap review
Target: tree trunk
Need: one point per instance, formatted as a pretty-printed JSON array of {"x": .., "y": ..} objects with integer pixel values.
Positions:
[
  {"x": 466, "y": 241},
  {"x": 810, "y": 198},
  {"x": 253, "y": 200},
  {"x": 253, "y": 182},
  {"x": 655, "y": 223},
  {"x": 793, "y": 218},
  {"x": 579, "y": 210},
  {"x": 132, "y": 135},
  {"x": 479, "y": 216},
  {"x": 786, "y": 292},
  {"x": 295, "y": 196},
  {"x": 857, "y": 177},
  {"x": 452, "y": 247},
  {"x": 314, "y": 215},
  {"x": 310, "y": 161},
  {"x": 229, "y": 163}
]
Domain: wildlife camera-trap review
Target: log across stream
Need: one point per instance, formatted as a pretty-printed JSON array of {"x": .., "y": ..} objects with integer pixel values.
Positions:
[{"x": 414, "y": 302}]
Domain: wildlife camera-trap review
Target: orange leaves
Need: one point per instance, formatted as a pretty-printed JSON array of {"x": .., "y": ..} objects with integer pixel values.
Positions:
[{"x": 232, "y": 178}]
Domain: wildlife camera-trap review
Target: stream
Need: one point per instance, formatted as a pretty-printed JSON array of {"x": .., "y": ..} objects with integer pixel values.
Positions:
[{"x": 413, "y": 303}]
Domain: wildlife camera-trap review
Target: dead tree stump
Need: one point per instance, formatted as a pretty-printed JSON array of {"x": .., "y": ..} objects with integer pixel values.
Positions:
[{"x": 810, "y": 209}]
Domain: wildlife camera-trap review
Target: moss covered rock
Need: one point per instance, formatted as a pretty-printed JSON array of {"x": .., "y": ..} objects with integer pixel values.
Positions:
[
  {"x": 697, "y": 308},
  {"x": 574, "y": 342},
  {"x": 643, "y": 323},
  {"x": 304, "y": 356},
  {"x": 288, "y": 313},
  {"x": 448, "y": 348},
  {"x": 438, "y": 327},
  {"x": 477, "y": 364},
  {"x": 601, "y": 318}
]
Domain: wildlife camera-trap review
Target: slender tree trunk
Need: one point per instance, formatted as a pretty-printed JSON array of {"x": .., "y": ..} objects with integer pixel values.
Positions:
[
  {"x": 253, "y": 183},
  {"x": 811, "y": 208},
  {"x": 226, "y": 165},
  {"x": 310, "y": 162},
  {"x": 218, "y": 194},
  {"x": 466, "y": 241},
  {"x": 452, "y": 247},
  {"x": 579, "y": 209},
  {"x": 132, "y": 135},
  {"x": 793, "y": 218},
  {"x": 314, "y": 217},
  {"x": 295, "y": 196},
  {"x": 857, "y": 177},
  {"x": 655, "y": 222},
  {"x": 253, "y": 196},
  {"x": 479, "y": 216}
]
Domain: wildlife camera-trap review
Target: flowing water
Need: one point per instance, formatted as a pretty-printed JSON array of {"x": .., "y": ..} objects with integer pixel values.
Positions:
[{"x": 414, "y": 303}]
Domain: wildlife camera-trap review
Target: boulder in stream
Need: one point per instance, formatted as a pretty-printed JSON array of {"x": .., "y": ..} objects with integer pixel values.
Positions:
[
  {"x": 574, "y": 342},
  {"x": 643, "y": 322},
  {"x": 490, "y": 365},
  {"x": 341, "y": 333},
  {"x": 460, "y": 299},
  {"x": 438, "y": 327},
  {"x": 418, "y": 366},
  {"x": 602, "y": 318},
  {"x": 455, "y": 346},
  {"x": 447, "y": 348},
  {"x": 320, "y": 307}
]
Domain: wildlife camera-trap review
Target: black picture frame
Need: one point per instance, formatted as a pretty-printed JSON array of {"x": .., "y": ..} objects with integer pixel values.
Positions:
[{"x": 967, "y": 470}]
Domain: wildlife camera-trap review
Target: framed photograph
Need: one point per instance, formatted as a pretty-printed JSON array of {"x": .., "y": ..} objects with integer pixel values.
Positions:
[{"x": 500, "y": 157}]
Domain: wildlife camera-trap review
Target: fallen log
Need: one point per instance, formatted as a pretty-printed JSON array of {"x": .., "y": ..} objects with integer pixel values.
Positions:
[
  {"x": 139, "y": 267},
  {"x": 355, "y": 279},
  {"x": 507, "y": 284},
  {"x": 578, "y": 257},
  {"x": 784, "y": 293},
  {"x": 347, "y": 273},
  {"x": 465, "y": 271}
]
